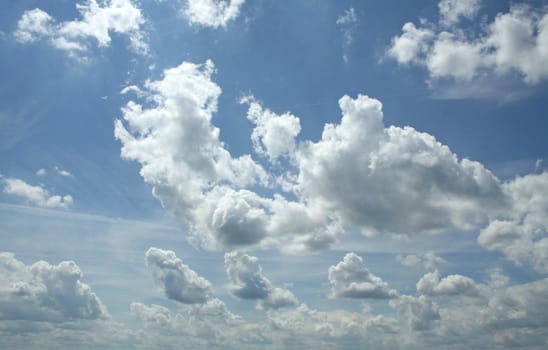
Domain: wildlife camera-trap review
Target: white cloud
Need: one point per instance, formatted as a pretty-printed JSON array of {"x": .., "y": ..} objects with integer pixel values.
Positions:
[
  {"x": 451, "y": 11},
  {"x": 351, "y": 279},
  {"x": 516, "y": 41},
  {"x": 248, "y": 282},
  {"x": 122, "y": 17},
  {"x": 273, "y": 135},
  {"x": 420, "y": 312},
  {"x": 45, "y": 292},
  {"x": 41, "y": 172},
  {"x": 178, "y": 281},
  {"x": 393, "y": 180},
  {"x": 36, "y": 194},
  {"x": 429, "y": 260},
  {"x": 522, "y": 235},
  {"x": 212, "y": 13},
  {"x": 347, "y": 23},
  {"x": 197, "y": 179},
  {"x": 430, "y": 284},
  {"x": 62, "y": 172}
]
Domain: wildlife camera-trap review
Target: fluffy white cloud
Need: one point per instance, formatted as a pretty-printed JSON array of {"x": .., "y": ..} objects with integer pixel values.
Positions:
[
  {"x": 179, "y": 282},
  {"x": 451, "y": 11},
  {"x": 273, "y": 135},
  {"x": 212, "y": 13},
  {"x": 522, "y": 235},
  {"x": 430, "y": 284},
  {"x": 351, "y": 279},
  {"x": 516, "y": 41},
  {"x": 197, "y": 179},
  {"x": 98, "y": 22},
  {"x": 393, "y": 180},
  {"x": 45, "y": 292},
  {"x": 36, "y": 194},
  {"x": 248, "y": 282}
]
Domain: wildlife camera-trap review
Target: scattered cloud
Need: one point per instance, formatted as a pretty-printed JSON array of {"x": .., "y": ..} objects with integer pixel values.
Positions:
[
  {"x": 41, "y": 172},
  {"x": 62, "y": 172},
  {"x": 36, "y": 195},
  {"x": 45, "y": 292},
  {"x": 514, "y": 42},
  {"x": 430, "y": 284},
  {"x": 420, "y": 312},
  {"x": 429, "y": 260},
  {"x": 97, "y": 23},
  {"x": 212, "y": 13},
  {"x": 178, "y": 281},
  {"x": 351, "y": 279},
  {"x": 248, "y": 282},
  {"x": 347, "y": 23}
]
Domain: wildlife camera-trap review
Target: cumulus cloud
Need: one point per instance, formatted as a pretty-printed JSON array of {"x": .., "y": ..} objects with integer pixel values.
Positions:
[
  {"x": 522, "y": 235},
  {"x": 98, "y": 21},
  {"x": 179, "y": 282},
  {"x": 212, "y": 13},
  {"x": 430, "y": 284},
  {"x": 420, "y": 312},
  {"x": 351, "y": 279},
  {"x": 393, "y": 180},
  {"x": 273, "y": 135},
  {"x": 36, "y": 195},
  {"x": 248, "y": 282},
  {"x": 45, "y": 292},
  {"x": 197, "y": 179},
  {"x": 516, "y": 41}
]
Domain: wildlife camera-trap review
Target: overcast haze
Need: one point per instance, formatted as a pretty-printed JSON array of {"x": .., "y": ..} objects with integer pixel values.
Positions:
[{"x": 202, "y": 174}]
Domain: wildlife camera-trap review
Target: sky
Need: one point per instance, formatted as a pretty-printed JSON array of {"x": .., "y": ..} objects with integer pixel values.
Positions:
[{"x": 247, "y": 174}]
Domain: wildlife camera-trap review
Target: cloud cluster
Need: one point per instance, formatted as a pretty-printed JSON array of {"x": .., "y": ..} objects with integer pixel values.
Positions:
[
  {"x": 179, "y": 282},
  {"x": 514, "y": 42},
  {"x": 122, "y": 17},
  {"x": 248, "y": 282},
  {"x": 36, "y": 195},
  {"x": 212, "y": 13},
  {"x": 351, "y": 279},
  {"x": 430, "y": 284},
  {"x": 429, "y": 260},
  {"x": 522, "y": 234},
  {"x": 45, "y": 292}
]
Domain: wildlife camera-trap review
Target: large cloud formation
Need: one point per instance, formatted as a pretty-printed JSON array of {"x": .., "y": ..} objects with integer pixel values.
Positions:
[
  {"x": 45, "y": 292},
  {"x": 98, "y": 22},
  {"x": 516, "y": 41},
  {"x": 361, "y": 174}
]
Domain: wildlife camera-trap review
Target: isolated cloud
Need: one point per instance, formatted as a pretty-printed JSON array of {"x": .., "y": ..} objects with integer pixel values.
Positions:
[
  {"x": 98, "y": 21},
  {"x": 516, "y": 41},
  {"x": 429, "y": 260},
  {"x": 212, "y": 13},
  {"x": 451, "y": 11},
  {"x": 248, "y": 282},
  {"x": 45, "y": 292},
  {"x": 430, "y": 284},
  {"x": 347, "y": 23},
  {"x": 522, "y": 235},
  {"x": 351, "y": 279},
  {"x": 179, "y": 282},
  {"x": 36, "y": 195}
]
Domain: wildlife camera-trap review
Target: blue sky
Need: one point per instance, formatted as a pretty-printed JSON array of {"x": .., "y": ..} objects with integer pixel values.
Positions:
[{"x": 274, "y": 174}]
